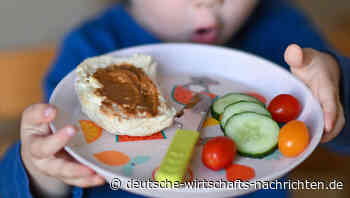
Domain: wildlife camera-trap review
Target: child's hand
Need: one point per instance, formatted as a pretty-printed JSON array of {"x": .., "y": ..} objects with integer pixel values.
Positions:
[
  {"x": 49, "y": 166},
  {"x": 321, "y": 73}
]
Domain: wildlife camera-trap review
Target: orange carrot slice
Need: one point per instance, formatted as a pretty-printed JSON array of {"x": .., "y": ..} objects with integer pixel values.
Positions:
[{"x": 239, "y": 172}]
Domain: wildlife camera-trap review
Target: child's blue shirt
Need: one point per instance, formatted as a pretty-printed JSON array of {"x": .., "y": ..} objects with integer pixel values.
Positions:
[{"x": 274, "y": 25}]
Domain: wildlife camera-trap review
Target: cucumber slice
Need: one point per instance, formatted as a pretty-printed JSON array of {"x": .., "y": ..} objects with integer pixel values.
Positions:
[
  {"x": 255, "y": 135},
  {"x": 241, "y": 107},
  {"x": 220, "y": 104}
]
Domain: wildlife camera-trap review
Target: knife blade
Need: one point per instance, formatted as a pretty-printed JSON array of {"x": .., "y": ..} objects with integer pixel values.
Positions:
[{"x": 177, "y": 158}]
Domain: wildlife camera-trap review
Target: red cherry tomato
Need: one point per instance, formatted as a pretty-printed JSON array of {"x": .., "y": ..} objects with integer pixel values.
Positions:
[
  {"x": 284, "y": 108},
  {"x": 219, "y": 153}
]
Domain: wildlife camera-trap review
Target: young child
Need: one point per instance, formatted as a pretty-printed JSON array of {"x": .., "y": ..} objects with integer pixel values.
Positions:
[{"x": 37, "y": 166}]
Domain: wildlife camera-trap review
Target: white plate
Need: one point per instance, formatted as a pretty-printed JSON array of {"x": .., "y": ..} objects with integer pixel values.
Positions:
[{"x": 226, "y": 70}]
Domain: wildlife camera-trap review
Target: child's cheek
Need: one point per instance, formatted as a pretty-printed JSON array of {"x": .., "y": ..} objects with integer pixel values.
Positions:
[
  {"x": 164, "y": 18},
  {"x": 234, "y": 14}
]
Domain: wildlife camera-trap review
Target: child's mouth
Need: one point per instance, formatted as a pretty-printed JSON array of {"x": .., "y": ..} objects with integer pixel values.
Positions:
[{"x": 205, "y": 35}]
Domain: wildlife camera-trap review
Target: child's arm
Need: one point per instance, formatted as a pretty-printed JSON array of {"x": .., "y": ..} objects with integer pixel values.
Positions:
[
  {"x": 320, "y": 71},
  {"x": 276, "y": 25},
  {"x": 38, "y": 166},
  {"x": 341, "y": 143},
  {"x": 90, "y": 39},
  {"x": 13, "y": 180}
]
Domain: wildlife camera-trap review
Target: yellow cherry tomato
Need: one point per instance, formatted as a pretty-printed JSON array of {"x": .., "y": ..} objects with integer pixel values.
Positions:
[{"x": 293, "y": 138}]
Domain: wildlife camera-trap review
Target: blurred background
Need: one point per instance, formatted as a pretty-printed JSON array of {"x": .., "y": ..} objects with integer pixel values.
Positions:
[{"x": 31, "y": 30}]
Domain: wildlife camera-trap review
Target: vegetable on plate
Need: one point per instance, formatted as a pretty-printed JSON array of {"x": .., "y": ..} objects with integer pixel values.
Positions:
[
  {"x": 255, "y": 135},
  {"x": 219, "y": 105},
  {"x": 240, "y": 107},
  {"x": 284, "y": 108},
  {"x": 293, "y": 138},
  {"x": 219, "y": 153}
]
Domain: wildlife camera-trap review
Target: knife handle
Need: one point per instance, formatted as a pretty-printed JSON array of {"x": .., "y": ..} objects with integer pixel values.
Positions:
[{"x": 175, "y": 163}]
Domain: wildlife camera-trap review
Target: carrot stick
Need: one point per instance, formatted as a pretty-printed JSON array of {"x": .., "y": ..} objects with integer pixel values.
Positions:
[{"x": 239, "y": 172}]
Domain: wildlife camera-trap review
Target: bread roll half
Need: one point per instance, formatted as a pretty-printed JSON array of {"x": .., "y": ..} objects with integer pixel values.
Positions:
[{"x": 122, "y": 96}]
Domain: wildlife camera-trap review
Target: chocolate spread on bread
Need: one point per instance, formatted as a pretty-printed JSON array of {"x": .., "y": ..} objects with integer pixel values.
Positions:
[{"x": 129, "y": 88}]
